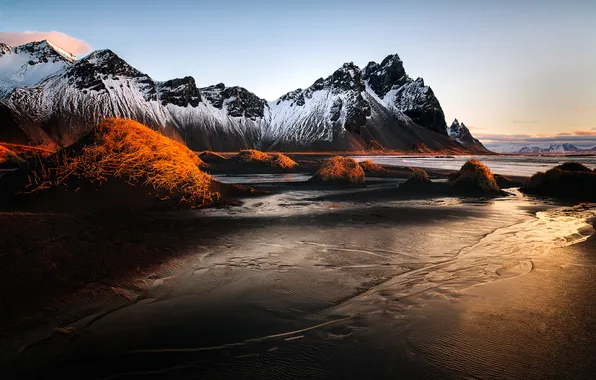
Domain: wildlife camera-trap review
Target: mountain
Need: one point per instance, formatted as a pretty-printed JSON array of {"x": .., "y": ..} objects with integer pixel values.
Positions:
[
  {"x": 462, "y": 134},
  {"x": 552, "y": 149},
  {"x": 50, "y": 98},
  {"x": 564, "y": 148}
]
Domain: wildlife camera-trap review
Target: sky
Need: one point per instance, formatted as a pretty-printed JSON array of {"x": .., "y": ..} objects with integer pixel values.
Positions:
[{"x": 512, "y": 71}]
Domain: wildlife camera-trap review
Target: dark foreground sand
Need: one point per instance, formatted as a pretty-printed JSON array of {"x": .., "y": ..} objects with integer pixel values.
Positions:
[{"x": 289, "y": 287}]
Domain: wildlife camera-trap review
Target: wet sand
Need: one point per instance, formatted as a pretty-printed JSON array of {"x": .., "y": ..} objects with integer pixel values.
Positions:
[{"x": 287, "y": 286}]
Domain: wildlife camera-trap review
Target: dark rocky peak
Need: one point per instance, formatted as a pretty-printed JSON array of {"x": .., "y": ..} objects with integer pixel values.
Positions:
[
  {"x": 109, "y": 63},
  {"x": 237, "y": 100},
  {"x": 44, "y": 52},
  {"x": 347, "y": 77},
  {"x": 5, "y": 49},
  {"x": 92, "y": 72},
  {"x": 180, "y": 91},
  {"x": 461, "y": 133},
  {"x": 389, "y": 74}
]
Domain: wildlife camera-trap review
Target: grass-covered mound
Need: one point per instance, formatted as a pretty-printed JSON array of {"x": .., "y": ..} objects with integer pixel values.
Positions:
[
  {"x": 272, "y": 160},
  {"x": 572, "y": 181},
  {"x": 210, "y": 157},
  {"x": 340, "y": 171},
  {"x": 419, "y": 178},
  {"x": 370, "y": 167},
  {"x": 122, "y": 162},
  {"x": 475, "y": 177}
]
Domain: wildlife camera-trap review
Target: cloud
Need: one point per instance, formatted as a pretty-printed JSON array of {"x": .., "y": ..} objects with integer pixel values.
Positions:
[
  {"x": 579, "y": 138},
  {"x": 66, "y": 42},
  {"x": 584, "y": 108},
  {"x": 525, "y": 121}
]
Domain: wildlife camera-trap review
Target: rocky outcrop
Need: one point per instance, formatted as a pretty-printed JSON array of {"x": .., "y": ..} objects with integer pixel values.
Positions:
[{"x": 462, "y": 134}]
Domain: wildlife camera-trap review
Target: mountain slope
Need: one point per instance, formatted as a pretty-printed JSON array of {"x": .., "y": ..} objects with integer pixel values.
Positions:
[{"x": 345, "y": 111}]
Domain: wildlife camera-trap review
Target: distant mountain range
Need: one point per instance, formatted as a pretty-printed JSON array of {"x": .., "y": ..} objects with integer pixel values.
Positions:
[
  {"x": 49, "y": 97},
  {"x": 545, "y": 149}
]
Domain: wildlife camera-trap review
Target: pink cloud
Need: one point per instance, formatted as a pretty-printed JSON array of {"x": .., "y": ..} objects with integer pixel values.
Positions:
[{"x": 66, "y": 42}]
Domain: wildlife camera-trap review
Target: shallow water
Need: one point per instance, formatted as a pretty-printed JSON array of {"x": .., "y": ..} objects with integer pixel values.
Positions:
[
  {"x": 506, "y": 165},
  {"x": 311, "y": 289},
  {"x": 261, "y": 178}
]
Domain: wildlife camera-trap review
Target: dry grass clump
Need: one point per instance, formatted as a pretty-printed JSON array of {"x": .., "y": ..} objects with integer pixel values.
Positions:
[
  {"x": 370, "y": 167},
  {"x": 210, "y": 157},
  {"x": 419, "y": 175},
  {"x": 276, "y": 160},
  {"x": 567, "y": 181},
  {"x": 26, "y": 151},
  {"x": 474, "y": 175},
  {"x": 128, "y": 150},
  {"x": 7, "y": 155},
  {"x": 418, "y": 180},
  {"x": 340, "y": 171}
]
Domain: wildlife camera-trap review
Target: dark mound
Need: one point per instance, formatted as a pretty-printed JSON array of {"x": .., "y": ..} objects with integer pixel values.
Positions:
[
  {"x": 475, "y": 177},
  {"x": 573, "y": 167},
  {"x": 577, "y": 184},
  {"x": 418, "y": 180},
  {"x": 340, "y": 171}
]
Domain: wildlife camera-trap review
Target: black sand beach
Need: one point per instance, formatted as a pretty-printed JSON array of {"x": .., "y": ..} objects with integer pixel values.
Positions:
[{"x": 291, "y": 285}]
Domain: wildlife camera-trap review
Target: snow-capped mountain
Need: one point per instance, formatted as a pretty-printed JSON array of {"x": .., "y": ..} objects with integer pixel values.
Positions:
[
  {"x": 401, "y": 94},
  {"x": 63, "y": 105},
  {"x": 345, "y": 111},
  {"x": 28, "y": 64},
  {"x": 462, "y": 134},
  {"x": 563, "y": 148}
]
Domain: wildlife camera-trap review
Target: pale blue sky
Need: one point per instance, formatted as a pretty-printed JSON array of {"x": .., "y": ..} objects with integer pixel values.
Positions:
[{"x": 512, "y": 67}]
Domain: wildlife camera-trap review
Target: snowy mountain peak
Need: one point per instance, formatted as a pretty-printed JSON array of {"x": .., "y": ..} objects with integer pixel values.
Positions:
[
  {"x": 462, "y": 134},
  {"x": 28, "y": 64},
  {"x": 386, "y": 76},
  {"x": 44, "y": 52}
]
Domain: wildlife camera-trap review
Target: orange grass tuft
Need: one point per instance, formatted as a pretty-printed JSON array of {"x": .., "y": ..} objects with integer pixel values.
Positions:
[
  {"x": 370, "y": 167},
  {"x": 419, "y": 175},
  {"x": 26, "y": 151},
  {"x": 7, "y": 155},
  {"x": 341, "y": 170},
  {"x": 275, "y": 160},
  {"x": 126, "y": 149}
]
